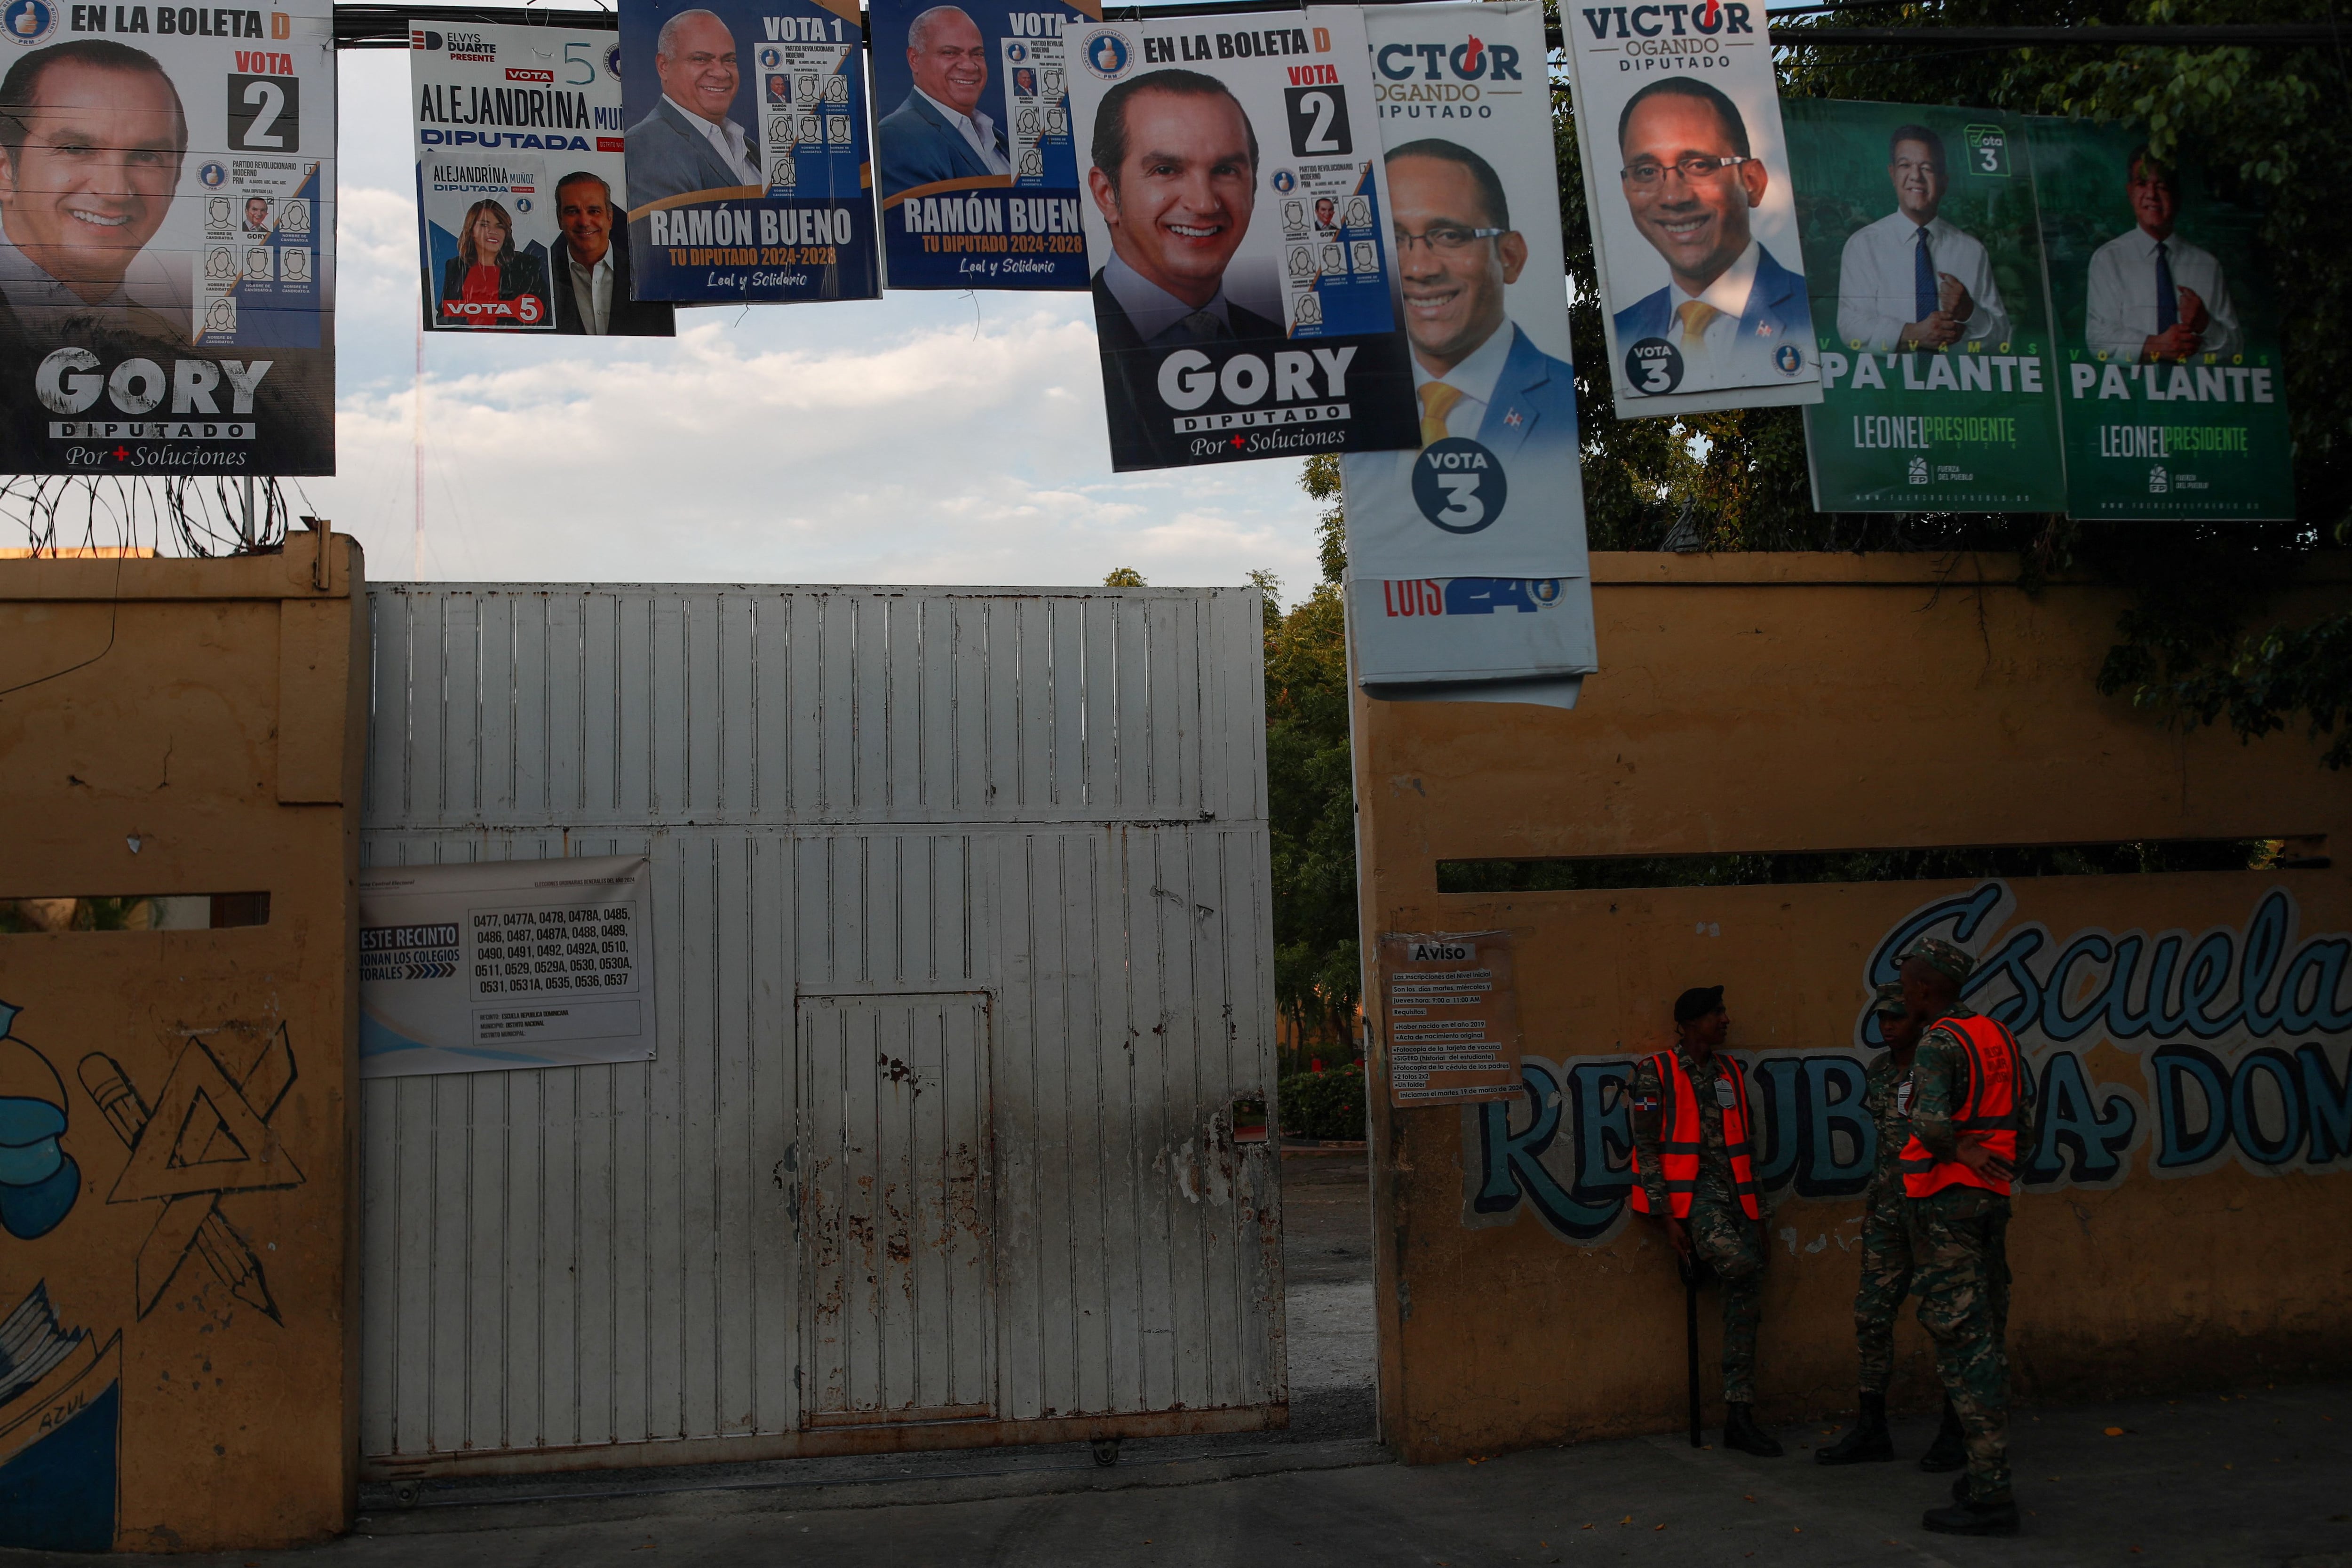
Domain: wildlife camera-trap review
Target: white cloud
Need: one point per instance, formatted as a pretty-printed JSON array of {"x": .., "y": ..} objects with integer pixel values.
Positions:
[{"x": 922, "y": 438}]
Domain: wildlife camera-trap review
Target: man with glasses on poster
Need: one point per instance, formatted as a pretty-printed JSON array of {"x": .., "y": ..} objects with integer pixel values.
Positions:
[
  {"x": 2153, "y": 295},
  {"x": 1913, "y": 279},
  {"x": 1475, "y": 374},
  {"x": 1732, "y": 315}
]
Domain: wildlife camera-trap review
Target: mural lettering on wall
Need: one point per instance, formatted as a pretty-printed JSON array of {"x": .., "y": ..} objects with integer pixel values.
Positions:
[
  {"x": 60, "y": 1389},
  {"x": 2243, "y": 1036}
]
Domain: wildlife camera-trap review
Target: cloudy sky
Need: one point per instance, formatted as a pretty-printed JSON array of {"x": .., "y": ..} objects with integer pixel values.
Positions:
[{"x": 925, "y": 437}]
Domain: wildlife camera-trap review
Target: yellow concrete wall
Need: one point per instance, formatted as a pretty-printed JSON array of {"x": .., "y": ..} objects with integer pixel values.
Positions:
[
  {"x": 1795, "y": 703},
  {"x": 210, "y": 740}
]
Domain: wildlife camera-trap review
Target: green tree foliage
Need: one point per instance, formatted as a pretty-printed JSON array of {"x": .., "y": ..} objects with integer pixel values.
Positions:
[
  {"x": 1324, "y": 1105},
  {"x": 1311, "y": 794},
  {"x": 1125, "y": 577}
]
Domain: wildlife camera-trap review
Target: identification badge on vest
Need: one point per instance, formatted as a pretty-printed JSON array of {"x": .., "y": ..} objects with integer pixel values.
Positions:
[
  {"x": 1723, "y": 1095},
  {"x": 1902, "y": 1098}
]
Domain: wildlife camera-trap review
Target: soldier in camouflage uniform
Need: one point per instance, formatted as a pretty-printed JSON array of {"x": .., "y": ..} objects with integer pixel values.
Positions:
[
  {"x": 1959, "y": 1246},
  {"x": 1885, "y": 1239},
  {"x": 1718, "y": 1234}
]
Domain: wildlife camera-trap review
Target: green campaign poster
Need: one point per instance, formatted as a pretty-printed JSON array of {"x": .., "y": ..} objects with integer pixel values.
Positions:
[
  {"x": 2174, "y": 403},
  {"x": 1939, "y": 373}
]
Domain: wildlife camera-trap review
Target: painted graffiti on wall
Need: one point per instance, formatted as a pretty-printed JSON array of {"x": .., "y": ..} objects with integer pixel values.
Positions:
[{"x": 2244, "y": 1037}]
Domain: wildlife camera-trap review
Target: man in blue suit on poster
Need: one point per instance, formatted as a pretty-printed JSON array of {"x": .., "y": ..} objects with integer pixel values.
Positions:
[
  {"x": 940, "y": 132},
  {"x": 1732, "y": 316},
  {"x": 690, "y": 142},
  {"x": 1475, "y": 373}
]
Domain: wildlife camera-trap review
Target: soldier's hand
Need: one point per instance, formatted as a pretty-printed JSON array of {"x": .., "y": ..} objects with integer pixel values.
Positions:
[
  {"x": 1677, "y": 1235},
  {"x": 1986, "y": 1163}
]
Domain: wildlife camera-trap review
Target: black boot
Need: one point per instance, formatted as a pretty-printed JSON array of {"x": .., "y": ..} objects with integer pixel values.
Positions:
[
  {"x": 1865, "y": 1440},
  {"x": 1949, "y": 1451},
  {"x": 1740, "y": 1432},
  {"x": 1971, "y": 1515}
]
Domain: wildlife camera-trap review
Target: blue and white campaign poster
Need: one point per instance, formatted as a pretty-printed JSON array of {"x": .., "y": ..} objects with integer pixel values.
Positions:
[
  {"x": 497, "y": 965},
  {"x": 167, "y": 273},
  {"x": 974, "y": 158},
  {"x": 1236, "y": 223},
  {"x": 519, "y": 181},
  {"x": 750, "y": 170},
  {"x": 1466, "y": 553}
]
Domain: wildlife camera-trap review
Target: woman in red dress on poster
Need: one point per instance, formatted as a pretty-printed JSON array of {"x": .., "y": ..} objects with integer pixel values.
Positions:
[{"x": 488, "y": 270}]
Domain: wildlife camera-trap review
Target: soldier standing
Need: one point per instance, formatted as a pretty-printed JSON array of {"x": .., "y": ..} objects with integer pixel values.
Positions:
[
  {"x": 1969, "y": 1096},
  {"x": 1886, "y": 1248},
  {"x": 1694, "y": 1162}
]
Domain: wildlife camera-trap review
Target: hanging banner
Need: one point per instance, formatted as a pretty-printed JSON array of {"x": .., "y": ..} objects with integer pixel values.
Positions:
[
  {"x": 2171, "y": 391},
  {"x": 1939, "y": 374},
  {"x": 168, "y": 270},
  {"x": 1237, "y": 230},
  {"x": 1492, "y": 486},
  {"x": 498, "y": 965},
  {"x": 974, "y": 155},
  {"x": 519, "y": 186},
  {"x": 1695, "y": 230},
  {"x": 748, "y": 178},
  {"x": 1451, "y": 1018}
]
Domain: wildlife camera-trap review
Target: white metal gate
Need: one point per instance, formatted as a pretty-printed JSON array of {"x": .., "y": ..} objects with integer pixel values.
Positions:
[{"x": 1017, "y": 838}]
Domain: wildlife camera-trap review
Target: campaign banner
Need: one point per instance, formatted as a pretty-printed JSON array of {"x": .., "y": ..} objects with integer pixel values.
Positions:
[
  {"x": 501, "y": 965},
  {"x": 749, "y": 174},
  {"x": 1923, "y": 254},
  {"x": 1695, "y": 227},
  {"x": 974, "y": 155},
  {"x": 520, "y": 184},
  {"x": 2172, "y": 394},
  {"x": 167, "y": 239},
  {"x": 1442, "y": 638},
  {"x": 1237, "y": 230}
]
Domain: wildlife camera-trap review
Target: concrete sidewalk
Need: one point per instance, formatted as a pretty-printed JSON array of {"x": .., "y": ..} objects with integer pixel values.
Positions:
[{"x": 2260, "y": 1477}]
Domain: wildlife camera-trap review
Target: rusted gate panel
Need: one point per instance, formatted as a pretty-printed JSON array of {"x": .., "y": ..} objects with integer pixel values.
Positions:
[{"x": 1031, "y": 822}]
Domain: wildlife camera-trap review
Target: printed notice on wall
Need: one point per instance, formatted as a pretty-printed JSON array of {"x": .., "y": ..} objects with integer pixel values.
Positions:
[
  {"x": 1453, "y": 1018},
  {"x": 505, "y": 964}
]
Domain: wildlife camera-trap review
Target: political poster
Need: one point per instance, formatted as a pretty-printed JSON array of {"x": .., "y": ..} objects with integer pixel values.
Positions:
[
  {"x": 975, "y": 156},
  {"x": 1466, "y": 552},
  {"x": 748, "y": 162},
  {"x": 1451, "y": 1018},
  {"x": 1923, "y": 254},
  {"x": 167, "y": 189},
  {"x": 2172, "y": 390},
  {"x": 498, "y": 965},
  {"x": 520, "y": 184},
  {"x": 1694, "y": 223},
  {"x": 1237, "y": 233}
]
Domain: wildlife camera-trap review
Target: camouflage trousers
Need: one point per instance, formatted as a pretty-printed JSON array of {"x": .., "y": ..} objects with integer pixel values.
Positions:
[
  {"x": 1725, "y": 1239},
  {"x": 1960, "y": 1247},
  {"x": 1886, "y": 1281}
]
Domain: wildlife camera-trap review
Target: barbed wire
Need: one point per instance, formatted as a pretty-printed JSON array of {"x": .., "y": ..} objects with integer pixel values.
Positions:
[{"x": 217, "y": 515}]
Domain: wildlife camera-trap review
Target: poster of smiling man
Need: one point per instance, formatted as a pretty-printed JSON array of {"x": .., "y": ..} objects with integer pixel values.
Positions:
[
  {"x": 749, "y": 172},
  {"x": 520, "y": 184},
  {"x": 1237, "y": 230},
  {"x": 1467, "y": 552},
  {"x": 973, "y": 155},
  {"x": 166, "y": 240},
  {"x": 1686, "y": 175},
  {"x": 1923, "y": 249}
]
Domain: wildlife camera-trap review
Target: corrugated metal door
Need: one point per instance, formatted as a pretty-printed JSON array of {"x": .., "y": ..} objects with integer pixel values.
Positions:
[
  {"x": 1054, "y": 799},
  {"x": 896, "y": 1209}
]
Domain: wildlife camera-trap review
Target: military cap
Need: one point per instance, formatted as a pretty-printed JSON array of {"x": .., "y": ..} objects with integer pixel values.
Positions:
[
  {"x": 1944, "y": 958},
  {"x": 1888, "y": 998},
  {"x": 1696, "y": 1003}
]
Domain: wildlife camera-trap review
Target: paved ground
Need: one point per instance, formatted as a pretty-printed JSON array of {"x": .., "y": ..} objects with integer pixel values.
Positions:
[{"x": 2263, "y": 1475}]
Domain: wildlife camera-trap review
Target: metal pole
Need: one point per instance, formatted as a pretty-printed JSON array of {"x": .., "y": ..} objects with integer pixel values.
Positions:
[
  {"x": 245, "y": 534},
  {"x": 1690, "y": 1336}
]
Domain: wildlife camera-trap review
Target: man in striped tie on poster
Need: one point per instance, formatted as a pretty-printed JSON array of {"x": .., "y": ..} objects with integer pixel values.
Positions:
[
  {"x": 1914, "y": 279},
  {"x": 2154, "y": 295}
]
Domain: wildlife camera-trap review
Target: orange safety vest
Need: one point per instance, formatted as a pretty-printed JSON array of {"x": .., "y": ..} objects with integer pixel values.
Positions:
[
  {"x": 1685, "y": 1143},
  {"x": 1991, "y": 1116}
]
